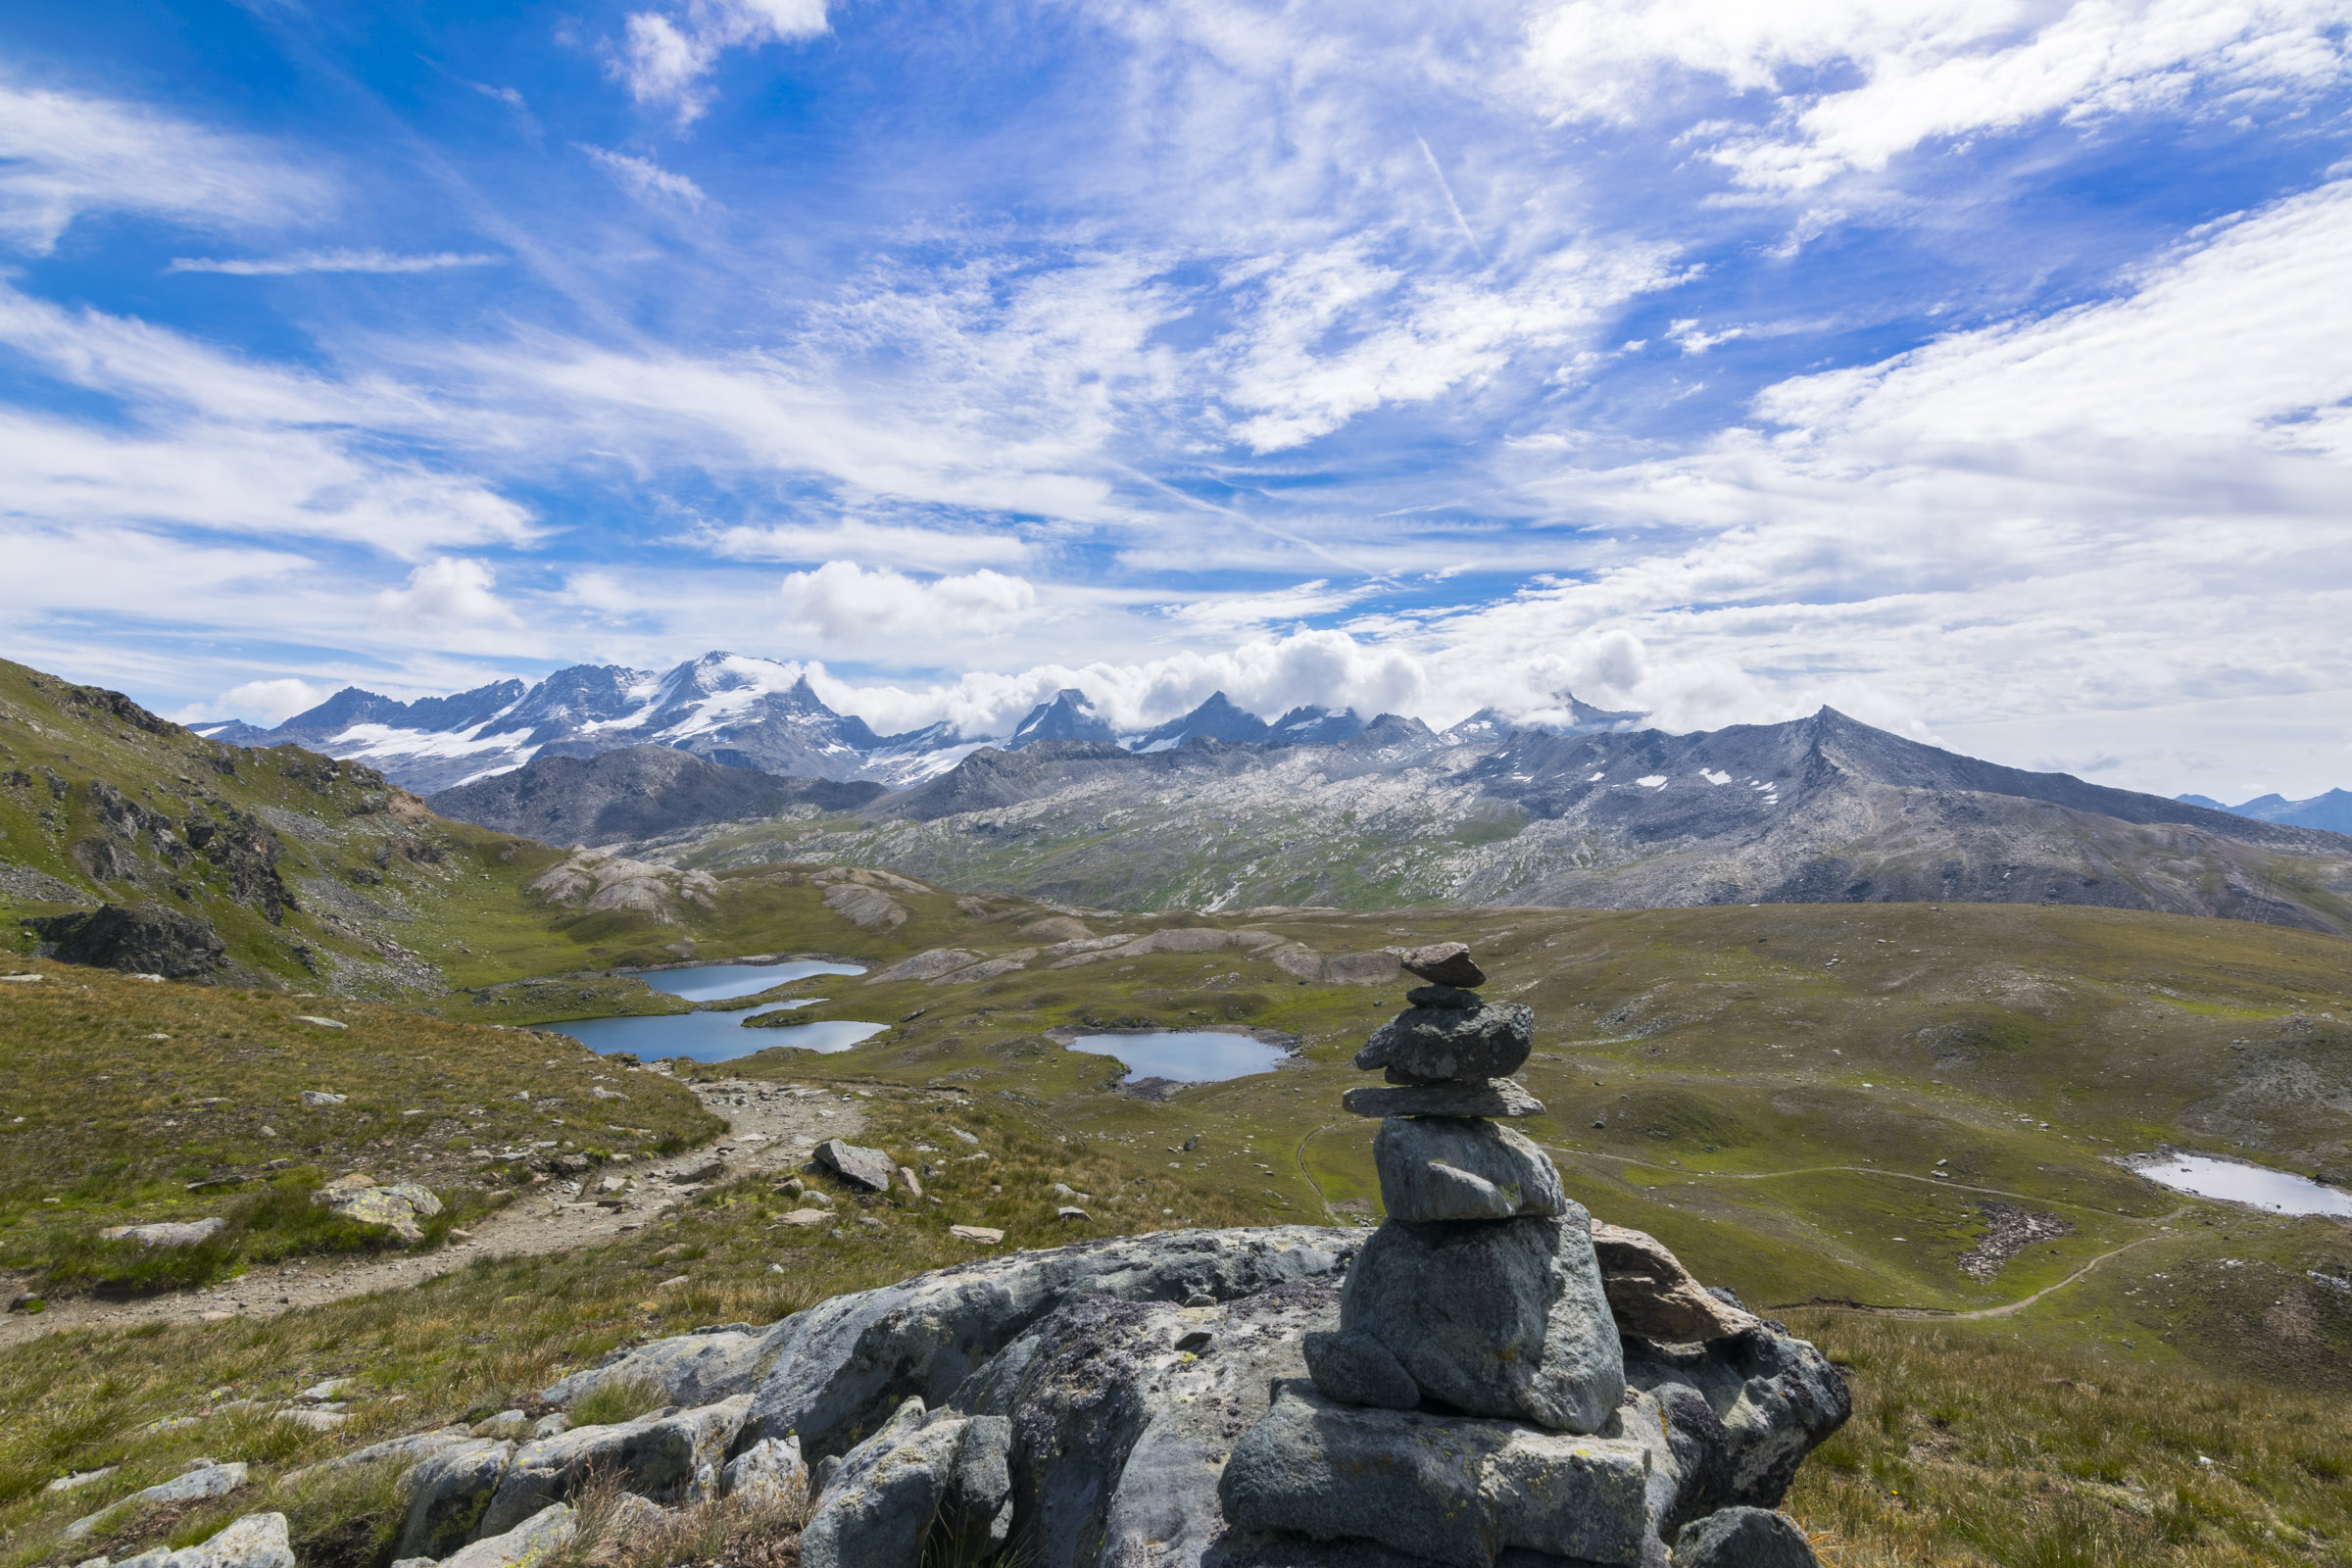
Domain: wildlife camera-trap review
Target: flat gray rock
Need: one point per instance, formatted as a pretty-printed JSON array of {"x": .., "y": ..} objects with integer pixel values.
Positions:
[
  {"x": 1498, "y": 1097},
  {"x": 869, "y": 1168},
  {"x": 194, "y": 1486},
  {"x": 1440, "y": 1044},
  {"x": 844, "y": 1364},
  {"x": 1452, "y": 1167},
  {"x": 1502, "y": 1318},
  {"x": 1444, "y": 963},
  {"x": 449, "y": 1490},
  {"x": 1447, "y": 1489},
  {"x": 1744, "y": 1537}
]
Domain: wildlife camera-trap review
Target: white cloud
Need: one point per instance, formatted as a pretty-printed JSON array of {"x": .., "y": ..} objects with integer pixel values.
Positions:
[
  {"x": 850, "y": 604},
  {"x": 876, "y": 542},
  {"x": 646, "y": 179},
  {"x": 1232, "y": 612},
  {"x": 333, "y": 260},
  {"x": 258, "y": 702},
  {"x": 1928, "y": 70},
  {"x": 666, "y": 57},
  {"x": 62, "y": 155},
  {"x": 449, "y": 591}
]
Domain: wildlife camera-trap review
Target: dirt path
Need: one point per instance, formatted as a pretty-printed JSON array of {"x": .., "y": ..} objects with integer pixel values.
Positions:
[
  {"x": 2008, "y": 1310},
  {"x": 770, "y": 1127}
]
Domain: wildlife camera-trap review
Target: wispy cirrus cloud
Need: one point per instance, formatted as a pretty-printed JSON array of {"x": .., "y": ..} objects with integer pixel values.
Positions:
[
  {"x": 333, "y": 260},
  {"x": 666, "y": 55},
  {"x": 646, "y": 179}
]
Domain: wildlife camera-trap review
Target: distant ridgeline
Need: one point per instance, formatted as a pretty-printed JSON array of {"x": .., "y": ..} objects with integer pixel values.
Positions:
[
  {"x": 749, "y": 714},
  {"x": 2331, "y": 812}
]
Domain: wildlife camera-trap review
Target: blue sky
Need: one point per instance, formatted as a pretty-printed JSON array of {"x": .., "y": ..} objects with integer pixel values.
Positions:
[{"x": 1981, "y": 369}]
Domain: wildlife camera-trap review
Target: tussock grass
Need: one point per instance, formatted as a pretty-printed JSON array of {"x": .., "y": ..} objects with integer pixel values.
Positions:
[{"x": 616, "y": 1400}]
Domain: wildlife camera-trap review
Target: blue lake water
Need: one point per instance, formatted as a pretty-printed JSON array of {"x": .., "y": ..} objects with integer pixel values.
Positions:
[
  {"x": 1187, "y": 1055},
  {"x": 718, "y": 982},
  {"x": 719, "y": 1035},
  {"x": 2235, "y": 1182}
]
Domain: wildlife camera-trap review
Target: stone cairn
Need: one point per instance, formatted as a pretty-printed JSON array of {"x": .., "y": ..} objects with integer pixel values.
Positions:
[
  {"x": 1480, "y": 1291},
  {"x": 1480, "y": 1297}
]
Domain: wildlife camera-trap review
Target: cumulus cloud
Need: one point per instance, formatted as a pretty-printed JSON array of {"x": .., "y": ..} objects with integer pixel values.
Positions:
[
  {"x": 666, "y": 57},
  {"x": 849, "y": 604},
  {"x": 258, "y": 702},
  {"x": 332, "y": 261},
  {"x": 451, "y": 592},
  {"x": 63, "y": 154}
]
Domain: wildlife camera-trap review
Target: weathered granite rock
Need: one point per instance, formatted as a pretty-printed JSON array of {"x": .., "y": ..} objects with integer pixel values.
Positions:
[
  {"x": 1740, "y": 1413},
  {"x": 193, "y": 1486},
  {"x": 1451, "y": 998},
  {"x": 869, "y": 1168},
  {"x": 1443, "y": 1044},
  {"x": 168, "y": 1233},
  {"x": 1500, "y": 1097},
  {"x": 1445, "y": 1488},
  {"x": 1450, "y": 1167},
  {"x": 691, "y": 1369},
  {"x": 399, "y": 1207},
  {"x": 1444, "y": 963},
  {"x": 1496, "y": 1318},
  {"x": 449, "y": 1490},
  {"x": 257, "y": 1540},
  {"x": 1652, "y": 1295},
  {"x": 1354, "y": 1368},
  {"x": 660, "y": 1456},
  {"x": 529, "y": 1544},
  {"x": 978, "y": 1506},
  {"x": 145, "y": 940},
  {"x": 1744, "y": 1537},
  {"x": 413, "y": 1449},
  {"x": 884, "y": 1494},
  {"x": 844, "y": 1364},
  {"x": 768, "y": 1471}
]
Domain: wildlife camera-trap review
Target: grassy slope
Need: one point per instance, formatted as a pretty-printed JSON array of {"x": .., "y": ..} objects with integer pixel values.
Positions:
[{"x": 117, "y": 1095}]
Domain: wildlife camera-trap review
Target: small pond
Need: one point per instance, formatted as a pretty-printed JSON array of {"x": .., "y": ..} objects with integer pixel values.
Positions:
[
  {"x": 721, "y": 982},
  {"x": 1186, "y": 1055},
  {"x": 2235, "y": 1182}
]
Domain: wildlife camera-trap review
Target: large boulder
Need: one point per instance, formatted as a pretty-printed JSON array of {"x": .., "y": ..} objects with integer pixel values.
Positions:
[
  {"x": 146, "y": 940},
  {"x": 197, "y": 1484},
  {"x": 1501, "y": 1318},
  {"x": 1449, "y": 1167},
  {"x": 529, "y": 1544},
  {"x": 669, "y": 1455},
  {"x": 841, "y": 1367},
  {"x": 1440, "y": 1045},
  {"x": 869, "y": 1168},
  {"x": 400, "y": 1206},
  {"x": 257, "y": 1540}
]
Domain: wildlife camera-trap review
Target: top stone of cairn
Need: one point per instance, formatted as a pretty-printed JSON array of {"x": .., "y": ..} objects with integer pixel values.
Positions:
[{"x": 1442, "y": 963}]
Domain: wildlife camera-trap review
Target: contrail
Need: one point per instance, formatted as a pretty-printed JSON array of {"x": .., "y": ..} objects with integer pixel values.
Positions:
[{"x": 1460, "y": 221}]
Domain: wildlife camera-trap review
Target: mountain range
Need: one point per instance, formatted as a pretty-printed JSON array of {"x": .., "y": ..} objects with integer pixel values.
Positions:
[
  {"x": 739, "y": 712},
  {"x": 2331, "y": 812}
]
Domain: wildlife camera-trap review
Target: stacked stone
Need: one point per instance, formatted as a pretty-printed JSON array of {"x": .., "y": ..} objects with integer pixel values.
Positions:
[{"x": 1480, "y": 1292}]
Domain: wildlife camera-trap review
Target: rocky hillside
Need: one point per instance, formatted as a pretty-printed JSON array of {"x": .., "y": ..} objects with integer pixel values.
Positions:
[
  {"x": 132, "y": 843},
  {"x": 637, "y": 792},
  {"x": 1822, "y": 809}
]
